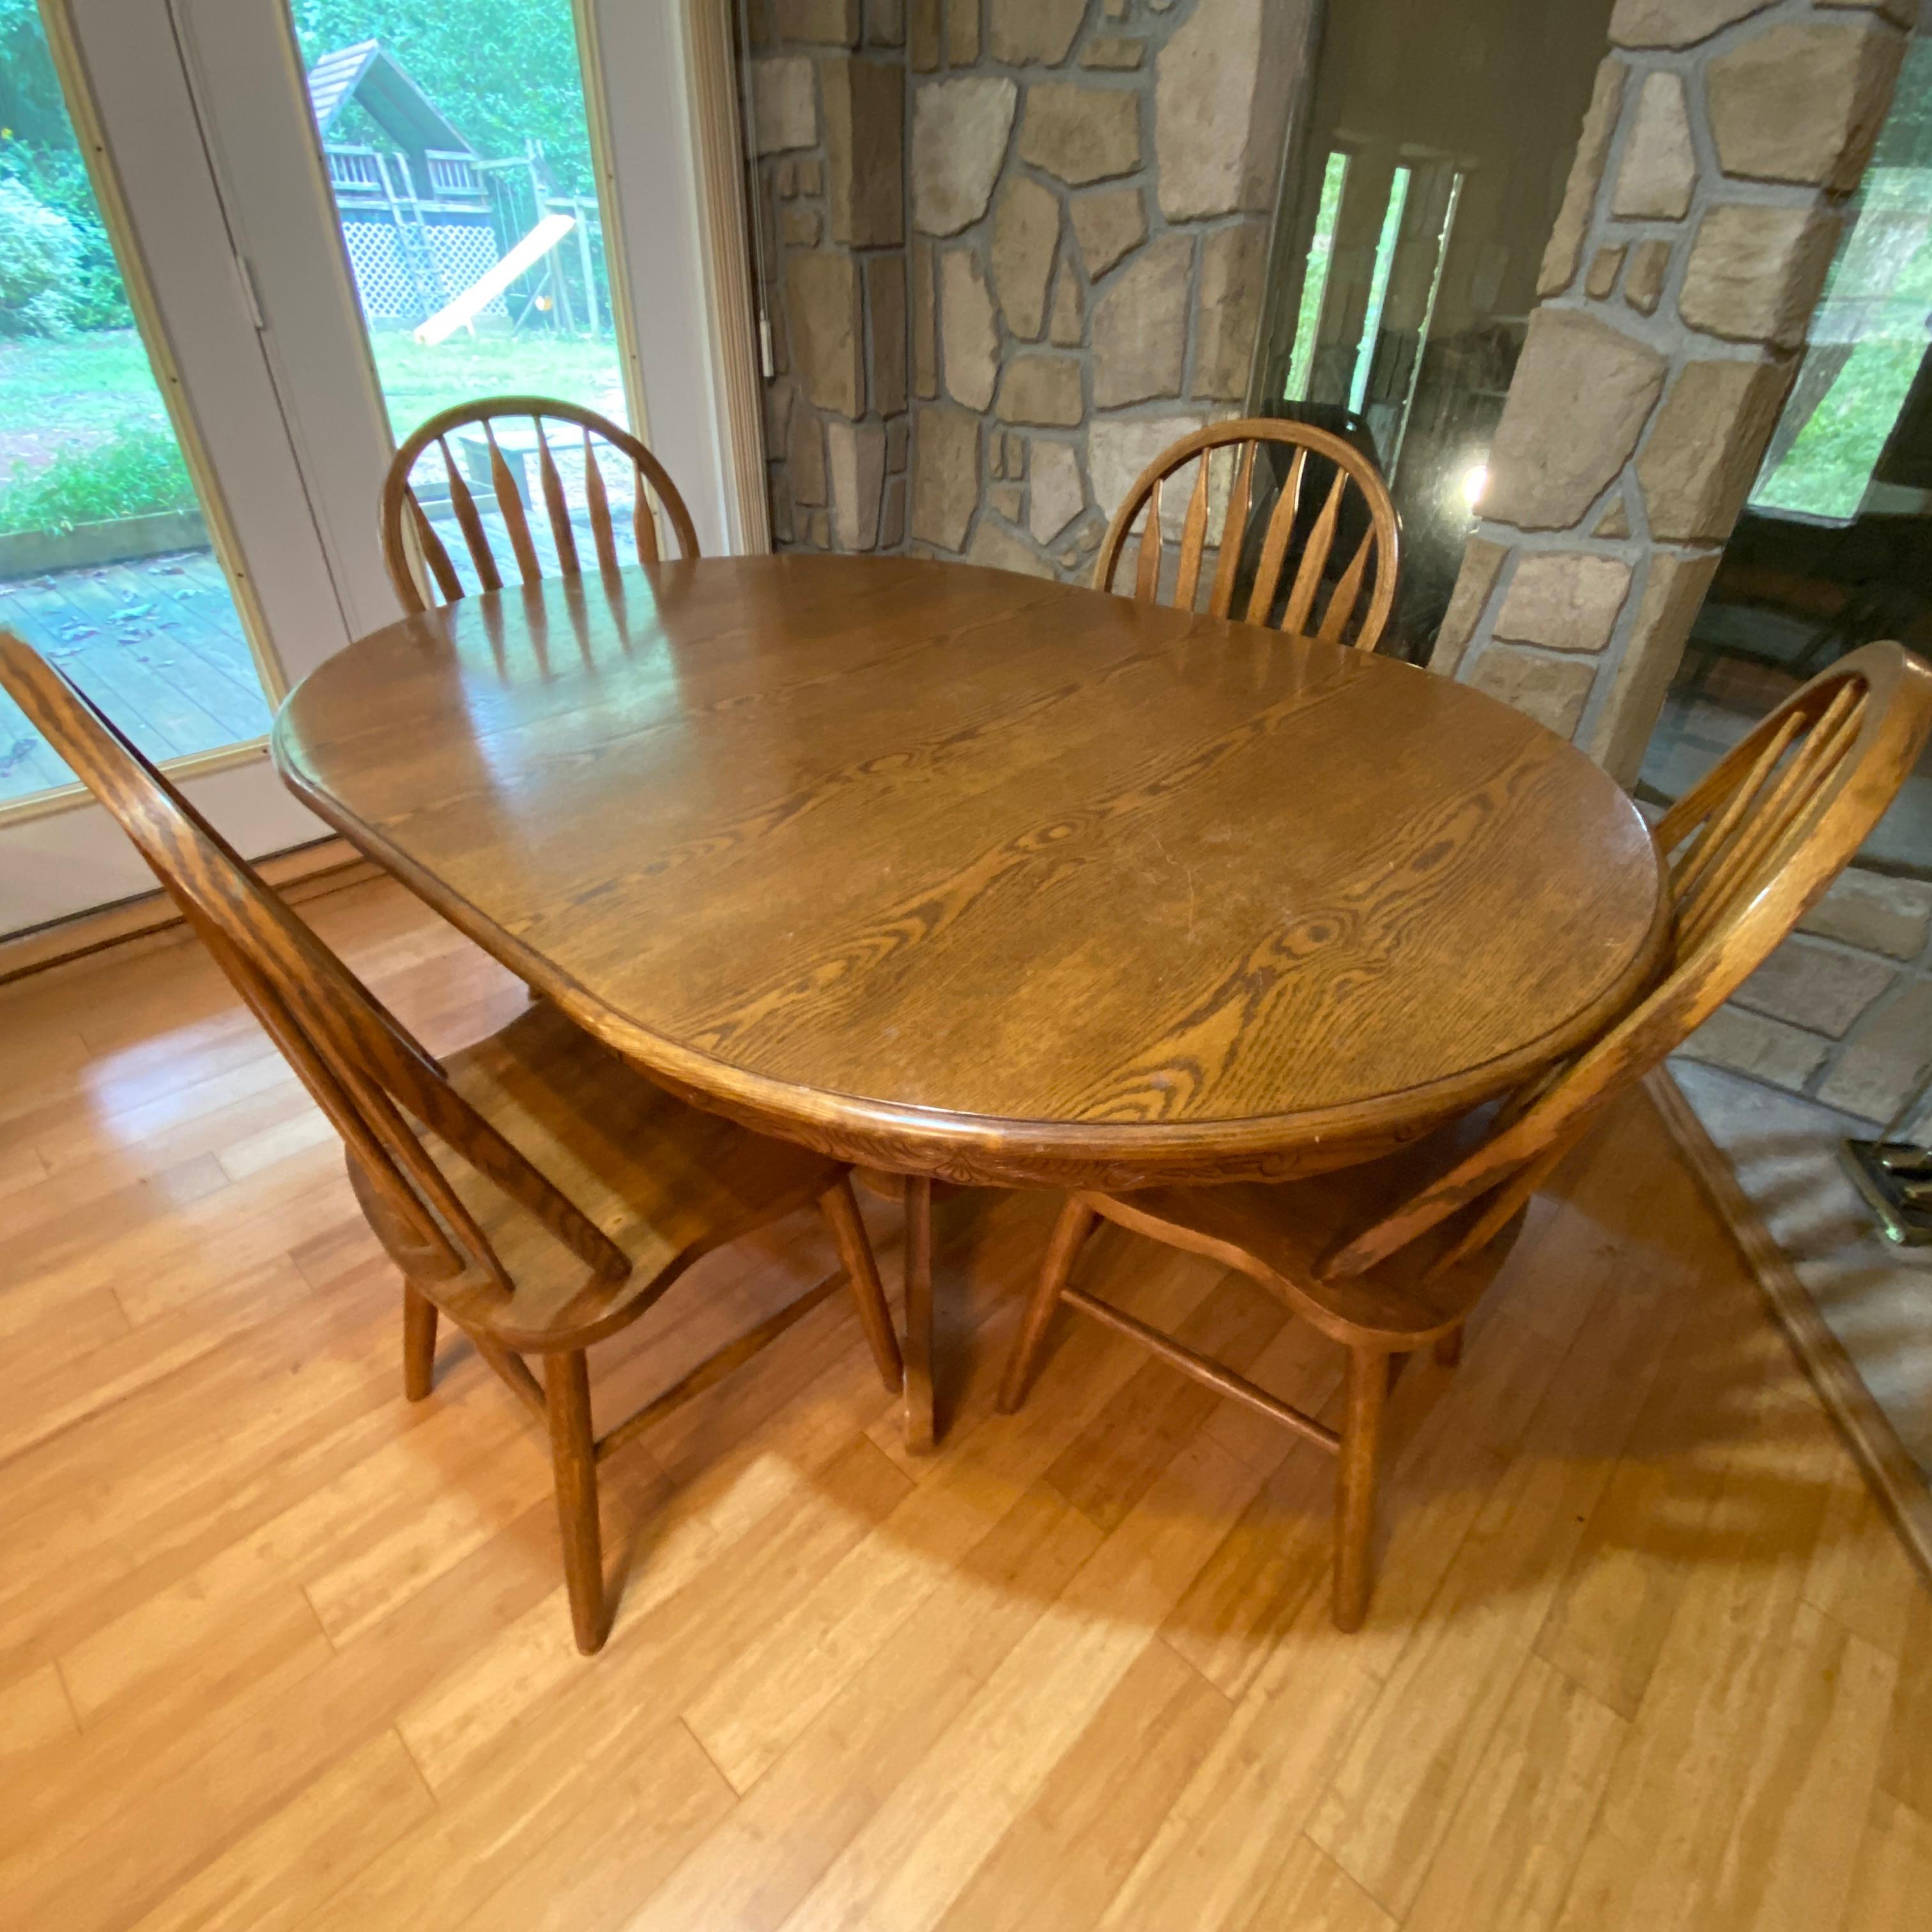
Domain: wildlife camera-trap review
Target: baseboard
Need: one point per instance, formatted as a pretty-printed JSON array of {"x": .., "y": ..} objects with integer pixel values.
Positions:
[
  {"x": 153, "y": 919},
  {"x": 1894, "y": 1477}
]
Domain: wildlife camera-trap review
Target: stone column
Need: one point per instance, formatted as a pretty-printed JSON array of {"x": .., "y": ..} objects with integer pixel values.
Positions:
[
  {"x": 1089, "y": 189},
  {"x": 829, "y": 115},
  {"x": 1702, "y": 211}
]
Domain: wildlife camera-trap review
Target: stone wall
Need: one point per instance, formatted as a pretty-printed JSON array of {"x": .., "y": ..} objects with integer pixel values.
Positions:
[
  {"x": 1082, "y": 227},
  {"x": 1700, "y": 219},
  {"x": 828, "y": 121}
]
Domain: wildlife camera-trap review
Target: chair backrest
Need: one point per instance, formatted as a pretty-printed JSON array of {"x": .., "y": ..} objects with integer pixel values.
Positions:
[
  {"x": 1749, "y": 851},
  {"x": 407, "y": 527},
  {"x": 1338, "y": 525},
  {"x": 354, "y": 1056}
]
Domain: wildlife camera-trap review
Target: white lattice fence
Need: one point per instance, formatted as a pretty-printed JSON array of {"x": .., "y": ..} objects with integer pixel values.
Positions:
[{"x": 459, "y": 252}]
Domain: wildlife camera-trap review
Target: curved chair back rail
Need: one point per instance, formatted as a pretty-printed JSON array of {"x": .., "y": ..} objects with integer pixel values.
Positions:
[
  {"x": 1333, "y": 519},
  {"x": 409, "y": 537},
  {"x": 456, "y": 1163},
  {"x": 1391, "y": 1256}
]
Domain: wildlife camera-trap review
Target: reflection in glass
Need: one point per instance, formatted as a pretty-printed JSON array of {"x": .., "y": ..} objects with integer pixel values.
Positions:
[
  {"x": 1315, "y": 278},
  {"x": 1416, "y": 210}
]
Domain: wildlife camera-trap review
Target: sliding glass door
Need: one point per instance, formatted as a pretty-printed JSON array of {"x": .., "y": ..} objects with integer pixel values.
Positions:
[
  {"x": 107, "y": 564},
  {"x": 159, "y": 544}
]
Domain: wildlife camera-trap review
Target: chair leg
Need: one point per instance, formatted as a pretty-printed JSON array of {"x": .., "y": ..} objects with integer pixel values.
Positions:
[
  {"x": 418, "y": 1342},
  {"x": 1355, "y": 1485},
  {"x": 855, "y": 1250},
  {"x": 573, "y": 1459},
  {"x": 921, "y": 1426},
  {"x": 1070, "y": 1235},
  {"x": 1449, "y": 1347}
]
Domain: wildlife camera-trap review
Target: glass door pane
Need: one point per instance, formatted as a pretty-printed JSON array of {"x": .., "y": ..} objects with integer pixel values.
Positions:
[
  {"x": 1434, "y": 145},
  {"x": 105, "y": 564},
  {"x": 458, "y": 152}
]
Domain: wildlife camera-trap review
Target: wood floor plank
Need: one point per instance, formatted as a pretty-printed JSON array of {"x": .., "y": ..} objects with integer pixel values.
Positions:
[
  {"x": 1062, "y": 1859},
  {"x": 1905, "y": 1770},
  {"x": 1860, "y": 1576},
  {"x": 752, "y": 1872},
  {"x": 21, "y": 1166},
  {"x": 270, "y": 1879},
  {"x": 790, "y": 1671},
  {"x": 1676, "y": 1791},
  {"x": 1614, "y": 1608},
  {"x": 1113, "y": 1462},
  {"x": 921, "y": 1846},
  {"x": 1894, "y": 1876},
  {"x": 1793, "y": 1847},
  {"x": 35, "y": 1713},
  {"x": 569, "y": 1831},
  {"x": 1224, "y": 1843},
  {"x": 1311, "y": 1893},
  {"x": 759, "y": 1518},
  {"x": 86, "y": 1381},
  {"x": 1505, "y": 1862}
]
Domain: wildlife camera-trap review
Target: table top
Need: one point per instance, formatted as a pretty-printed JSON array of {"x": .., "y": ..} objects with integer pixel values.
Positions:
[{"x": 968, "y": 873}]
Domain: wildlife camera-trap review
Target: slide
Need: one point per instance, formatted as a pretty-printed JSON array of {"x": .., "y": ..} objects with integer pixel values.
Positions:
[{"x": 537, "y": 243}]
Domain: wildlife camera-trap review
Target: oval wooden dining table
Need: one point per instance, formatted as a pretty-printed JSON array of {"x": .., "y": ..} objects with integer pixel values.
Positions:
[{"x": 958, "y": 873}]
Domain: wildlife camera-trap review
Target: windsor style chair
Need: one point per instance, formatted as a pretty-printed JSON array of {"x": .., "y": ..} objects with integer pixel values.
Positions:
[
  {"x": 1391, "y": 1256},
  {"x": 1355, "y": 510},
  {"x": 531, "y": 1186},
  {"x": 406, "y": 527}
]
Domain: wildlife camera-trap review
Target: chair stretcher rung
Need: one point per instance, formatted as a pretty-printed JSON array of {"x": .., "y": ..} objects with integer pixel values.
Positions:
[{"x": 1224, "y": 1381}]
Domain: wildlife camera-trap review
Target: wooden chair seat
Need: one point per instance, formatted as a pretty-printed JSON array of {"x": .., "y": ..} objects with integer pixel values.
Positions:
[
  {"x": 1280, "y": 1234},
  {"x": 666, "y": 1181}
]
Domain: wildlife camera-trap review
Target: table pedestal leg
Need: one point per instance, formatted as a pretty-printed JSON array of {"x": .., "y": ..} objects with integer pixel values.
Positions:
[{"x": 920, "y": 1432}]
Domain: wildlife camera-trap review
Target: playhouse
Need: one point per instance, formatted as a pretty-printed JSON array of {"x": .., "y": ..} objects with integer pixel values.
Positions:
[{"x": 425, "y": 217}]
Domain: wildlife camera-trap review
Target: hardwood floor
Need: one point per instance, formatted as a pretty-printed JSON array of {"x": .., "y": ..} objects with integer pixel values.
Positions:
[{"x": 277, "y": 1649}]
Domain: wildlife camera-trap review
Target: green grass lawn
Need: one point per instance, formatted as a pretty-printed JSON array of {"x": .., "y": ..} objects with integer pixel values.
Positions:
[
  {"x": 71, "y": 402},
  {"x": 417, "y": 381},
  {"x": 88, "y": 383}
]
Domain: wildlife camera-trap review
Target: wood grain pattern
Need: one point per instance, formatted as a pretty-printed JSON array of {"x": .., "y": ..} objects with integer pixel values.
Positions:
[
  {"x": 181, "y": 1745},
  {"x": 410, "y": 541},
  {"x": 1324, "y": 596},
  {"x": 530, "y": 1186},
  {"x": 962, "y": 873},
  {"x": 1391, "y": 1256}
]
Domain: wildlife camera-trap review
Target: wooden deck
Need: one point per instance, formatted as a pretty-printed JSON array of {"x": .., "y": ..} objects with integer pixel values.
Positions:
[
  {"x": 156, "y": 643},
  {"x": 278, "y": 1649}
]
